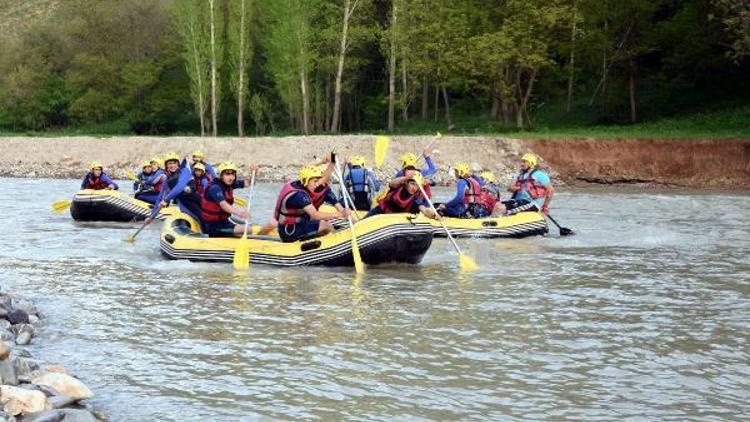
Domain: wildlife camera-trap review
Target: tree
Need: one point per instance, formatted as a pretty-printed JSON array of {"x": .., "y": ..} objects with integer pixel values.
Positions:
[
  {"x": 240, "y": 54},
  {"x": 194, "y": 35}
]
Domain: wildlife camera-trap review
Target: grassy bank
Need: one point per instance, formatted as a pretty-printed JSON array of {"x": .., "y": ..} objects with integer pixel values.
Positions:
[{"x": 732, "y": 122}]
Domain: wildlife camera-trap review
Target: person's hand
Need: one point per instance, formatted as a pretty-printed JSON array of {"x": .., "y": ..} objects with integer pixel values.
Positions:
[
  {"x": 441, "y": 207},
  {"x": 426, "y": 153},
  {"x": 243, "y": 214},
  {"x": 254, "y": 168},
  {"x": 545, "y": 210},
  {"x": 346, "y": 213},
  {"x": 147, "y": 221},
  {"x": 111, "y": 187},
  {"x": 163, "y": 203}
]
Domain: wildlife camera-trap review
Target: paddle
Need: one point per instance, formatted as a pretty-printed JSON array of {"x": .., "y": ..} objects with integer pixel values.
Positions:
[
  {"x": 564, "y": 231},
  {"x": 435, "y": 138},
  {"x": 61, "y": 205},
  {"x": 157, "y": 207},
  {"x": 359, "y": 266},
  {"x": 130, "y": 175},
  {"x": 465, "y": 262},
  {"x": 241, "y": 259},
  {"x": 381, "y": 150}
]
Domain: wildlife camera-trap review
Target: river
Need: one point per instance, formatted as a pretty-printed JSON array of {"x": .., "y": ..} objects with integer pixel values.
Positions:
[{"x": 644, "y": 314}]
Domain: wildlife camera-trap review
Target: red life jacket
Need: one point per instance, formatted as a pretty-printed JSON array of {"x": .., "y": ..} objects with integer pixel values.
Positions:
[
  {"x": 199, "y": 184},
  {"x": 531, "y": 185},
  {"x": 210, "y": 210},
  {"x": 95, "y": 183},
  {"x": 489, "y": 197},
  {"x": 394, "y": 202},
  {"x": 471, "y": 194},
  {"x": 158, "y": 186},
  {"x": 285, "y": 215}
]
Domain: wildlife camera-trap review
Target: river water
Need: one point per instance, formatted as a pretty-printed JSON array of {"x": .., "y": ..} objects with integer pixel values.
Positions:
[{"x": 645, "y": 313}]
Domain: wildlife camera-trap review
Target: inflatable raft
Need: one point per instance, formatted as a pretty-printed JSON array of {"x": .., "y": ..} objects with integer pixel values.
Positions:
[
  {"x": 523, "y": 224},
  {"x": 399, "y": 238},
  {"x": 112, "y": 205}
]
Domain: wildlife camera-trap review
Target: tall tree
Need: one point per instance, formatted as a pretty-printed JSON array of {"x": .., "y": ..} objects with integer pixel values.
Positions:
[
  {"x": 214, "y": 57},
  {"x": 240, "y": 50},
  {"x": 349, "y": 8},
  {"x": 194, "y": 34}
]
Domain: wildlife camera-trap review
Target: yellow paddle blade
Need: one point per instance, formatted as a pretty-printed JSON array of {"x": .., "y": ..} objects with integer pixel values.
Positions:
[
  {"x": 467, "y": 263},
  {"x": 129, "y": 239},
  {"x": 359, "y": 266},
  {"x": 438, "y": 135},
  {"x": 381, "y": 149},
  {"x": 62, "y": 205},
  {"x": 129, "y": 174},
  {"x": 241, "y": 260}
]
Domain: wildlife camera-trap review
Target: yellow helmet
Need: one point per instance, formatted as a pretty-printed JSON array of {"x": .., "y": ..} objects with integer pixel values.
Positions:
[
  {"x": 96, "y": 165},
  {"x": 309, "y": 172},
  {"x": 462, "y": 169},
  {"x": 157, "y": 161},
  {"x": 171, "y": 156},
  {"x": 408, "y": 160},
  {"x": 417, "y": 177},
  {"x": 357, "y": 160},
  {"x": 530, "y": 158},
  {"x": 199, "y": 166},
  {"x": 146, "y": 164},
  {"x": 199, "y": 153},
  {"x": 488, "y": 177},
  {"x": 226, "y": 166}
]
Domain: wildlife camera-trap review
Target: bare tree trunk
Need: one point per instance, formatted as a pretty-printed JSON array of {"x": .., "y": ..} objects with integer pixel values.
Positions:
[
  {"x": 448, "y": 117},
  {"x": 437, "y": 102},
  {"x": 199, "y": 79},
  {"x": 633, "y": 116},
  {"x": 521, "y": 112},
  {"x": 572, "y": 63},
  {"x": 425, "y": 98},
  {"x": 495, "y": 94},
  {"x": 392, "y": 74},
  {"x": 241, "y": 81},
  {"x": 305, "y": 101},
  {"x": 327, "y": 103},
  {"x": 349, "y": 9},
  {"x": 404, "y": 92},
  {"x": 214, "y": 105}
]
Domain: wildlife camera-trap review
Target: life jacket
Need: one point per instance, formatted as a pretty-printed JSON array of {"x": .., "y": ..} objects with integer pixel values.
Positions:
[
  {"x": 157, "y": 187},
  {"x": 472, "y": 192},
  {"x": 489, "y": 196},
  {"x": 95, "y": 183},
  {"x": 199, "y": 184},
  {"x": 285, "y": 215},
  {"x": 210, "y": 210},
  {"x": 394, "y": 201},
  {"x": 531, "y": 185},
  {"x": 357, "y": 180}
]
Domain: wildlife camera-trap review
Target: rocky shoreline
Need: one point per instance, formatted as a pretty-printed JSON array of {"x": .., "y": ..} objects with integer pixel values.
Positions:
[{"x": 33, "y": 391}]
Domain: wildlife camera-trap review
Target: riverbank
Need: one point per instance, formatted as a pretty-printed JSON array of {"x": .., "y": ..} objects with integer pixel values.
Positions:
[
  {"x": 580, "y": 162},
  {"x": 32, "y": 390}
]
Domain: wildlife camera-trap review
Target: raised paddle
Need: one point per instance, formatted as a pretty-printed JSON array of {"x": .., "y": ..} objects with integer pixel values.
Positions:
[
  {"x": 61, "y": 205},
  {"x": 130, "y": 175},
  {"x": 564, "y": 231},
  {"x": 157, "y": 208},
  {"x": 381, "y": 150},
  {"x": 359, "y": 266},
  {"x": 241, "y": 259},
  {"x": 465, "y": 262}
]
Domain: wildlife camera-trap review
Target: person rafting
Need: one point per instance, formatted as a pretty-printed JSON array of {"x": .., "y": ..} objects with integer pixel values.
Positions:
[
  {"x": 532, "y": 188},
  {"x": 200, "y": 157},
  {"x": 200, "y": 178},
  {"x": 150, "y": 189},
  {"x": 410, "y": 161},
  {"x": 96, "y": 179},
  {"x": 146, "y": 171},
  {"x": 180, "y": 187},
  {"x": 298, "y": 202},
  {"x": 360, "y": 182},
  {"x": 404, "y": 197},
  {"x": 467, "y": 194},
  {"x": 488, "y": 203},
  {"x": 217, "y": 203}
]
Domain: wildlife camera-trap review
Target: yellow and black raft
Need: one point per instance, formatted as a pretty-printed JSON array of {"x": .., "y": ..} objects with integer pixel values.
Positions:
[
  {"x": 523, "y": 224},
  {"x": 395, "y": 238},
  {"x": 112, "y": 205}
]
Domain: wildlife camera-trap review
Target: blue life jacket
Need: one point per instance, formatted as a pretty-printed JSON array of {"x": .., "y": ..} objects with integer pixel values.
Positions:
[{"x": 356, "y": 180}]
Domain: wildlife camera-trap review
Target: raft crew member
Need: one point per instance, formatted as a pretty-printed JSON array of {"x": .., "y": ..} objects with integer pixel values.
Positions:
[
  {"x": 150, "y": 190},
  {"x": 200, "y": 178},
  {"x": 404, "y": 197},
  {"x": 97, "y": 180},
  {"x": 146, "y": 171},
  {"x": 532, "y": 189},
  {"x": 467, "y": 194},
  {"x": 180, "y": 187},
  {"x": 489, "y": 198},
  {"x": 200, "y": 157},
  {"x": 360, "y": 182},
  {"x": 409, "y": 162},
  {"x": 217, "y": 203},
  {"x": 298, "y": 203}
]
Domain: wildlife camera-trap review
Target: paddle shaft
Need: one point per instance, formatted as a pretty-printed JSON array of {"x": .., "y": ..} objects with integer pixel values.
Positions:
[
  {"x": 157, "y": 208},
  {"x": 421, "y": 155},
  {"x": 442, "y": 223},
  {"x": 249, "y": 200},
  {"x": 562, "y": 229},
  {"x": 347, "y": 200}
]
